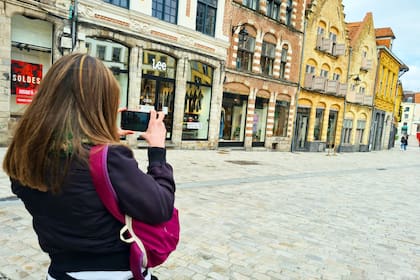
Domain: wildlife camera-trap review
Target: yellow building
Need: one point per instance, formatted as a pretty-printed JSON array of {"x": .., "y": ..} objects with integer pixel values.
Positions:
[
  {"x": 361, "y": 79},
  {"x": 323, "y": 79},
  {"x": 387, "y": 89}
]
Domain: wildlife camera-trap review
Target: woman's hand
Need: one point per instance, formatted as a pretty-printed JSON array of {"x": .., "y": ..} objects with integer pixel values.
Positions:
[{"x": 155, "y": 134}]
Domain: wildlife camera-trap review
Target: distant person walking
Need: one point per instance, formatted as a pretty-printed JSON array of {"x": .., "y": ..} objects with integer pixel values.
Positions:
[{"x": 404, "y": 143}]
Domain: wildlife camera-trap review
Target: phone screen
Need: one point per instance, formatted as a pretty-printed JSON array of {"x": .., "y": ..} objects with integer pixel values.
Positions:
[{"x": 134, "y": 120}]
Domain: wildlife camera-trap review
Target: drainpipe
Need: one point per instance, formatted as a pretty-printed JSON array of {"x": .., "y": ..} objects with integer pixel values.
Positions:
[
  {"x": 74, "y": 24},
  {"x": 292, "y": 146},
  {"x": 345, "y": 97}
]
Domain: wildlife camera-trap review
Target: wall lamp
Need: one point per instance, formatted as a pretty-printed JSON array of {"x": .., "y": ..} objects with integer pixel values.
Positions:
[
  {"x": 243, "y": 34},
  {"x": 356, "y": 79}
]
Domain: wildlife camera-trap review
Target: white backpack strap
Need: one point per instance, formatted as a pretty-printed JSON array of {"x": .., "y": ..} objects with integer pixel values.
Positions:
[{"x": 129, "y": 227}]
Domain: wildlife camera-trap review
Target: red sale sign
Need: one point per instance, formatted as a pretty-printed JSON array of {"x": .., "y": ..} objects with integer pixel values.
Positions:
[{"x": 25, "y": 80}]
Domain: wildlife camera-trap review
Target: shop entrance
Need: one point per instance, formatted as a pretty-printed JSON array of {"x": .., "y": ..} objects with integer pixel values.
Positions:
[
  {"x": 158, "y": 93},
  {"x": 259, "y": 123},
  {"x": 232, "y": 120},
  {"x": 301, "y": 131},
  {"x": 332, "y": 127}
]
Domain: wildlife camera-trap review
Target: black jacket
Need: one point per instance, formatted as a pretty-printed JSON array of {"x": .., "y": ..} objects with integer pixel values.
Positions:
[{"x": 75, "y": 228}]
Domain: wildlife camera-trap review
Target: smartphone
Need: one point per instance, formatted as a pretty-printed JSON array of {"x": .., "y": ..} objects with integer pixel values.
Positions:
[{"x": 135, "y": 120}]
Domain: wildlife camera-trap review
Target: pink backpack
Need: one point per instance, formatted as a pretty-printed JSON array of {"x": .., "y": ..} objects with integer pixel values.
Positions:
[{"x": 150, "y": 244}]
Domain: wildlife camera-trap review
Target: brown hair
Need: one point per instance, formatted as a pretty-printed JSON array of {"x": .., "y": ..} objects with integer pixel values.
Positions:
[{"x": 76, "y": 103}]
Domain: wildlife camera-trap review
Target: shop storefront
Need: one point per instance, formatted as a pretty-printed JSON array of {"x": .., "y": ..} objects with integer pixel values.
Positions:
[
  {"x": 31, "y": 43},
  {"x": 301, "y": 130},
  {"x": 233, "y": 120},
  {"x": 197, "y": 102},
  {"x": 158, "y": 86},
  {"x": 259, "y": 123}
]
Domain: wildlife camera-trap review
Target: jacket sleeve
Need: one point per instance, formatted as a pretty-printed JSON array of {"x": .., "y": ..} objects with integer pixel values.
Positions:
[{"x": 148, "y": 197}]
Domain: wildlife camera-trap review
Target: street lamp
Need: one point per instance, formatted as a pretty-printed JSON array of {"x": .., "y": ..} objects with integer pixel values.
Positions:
[
  {"x": 243, "y": 33},
  {"x": 356, "y": 79}
]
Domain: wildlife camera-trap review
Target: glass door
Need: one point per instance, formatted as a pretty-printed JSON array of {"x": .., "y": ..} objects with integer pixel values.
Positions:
[
  {"x": 158, "y": 94},
  {"x": 302, "y": 122}
]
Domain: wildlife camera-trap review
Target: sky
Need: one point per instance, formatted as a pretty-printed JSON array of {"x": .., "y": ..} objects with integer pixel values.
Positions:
[{"x": 403, "y": 16}]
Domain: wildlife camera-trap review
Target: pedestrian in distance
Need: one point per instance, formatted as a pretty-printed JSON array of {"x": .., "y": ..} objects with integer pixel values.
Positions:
[
  {"x": 404, "y": 143},
  {"x": 74, "y": 110}
]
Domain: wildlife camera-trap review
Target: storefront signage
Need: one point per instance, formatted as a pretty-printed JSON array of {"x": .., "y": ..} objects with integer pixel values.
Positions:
[
  {"x": 193, "y": 125},
  {"x": 159, "y": 65},
  {"x": 25, "y": 80}
]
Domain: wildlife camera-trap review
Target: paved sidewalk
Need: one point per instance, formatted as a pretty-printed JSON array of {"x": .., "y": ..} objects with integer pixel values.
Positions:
[{"x": 270, "y": 215}]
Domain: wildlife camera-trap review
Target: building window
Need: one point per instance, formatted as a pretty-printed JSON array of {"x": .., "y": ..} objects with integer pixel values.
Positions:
[
  {"x": 283, "y": 62},
  {"x": 319, "y": 116},
  {"x": 406, "y": 109},
  {"x": 361, "y": 90},
  {"x": 165, "y": 10},
  {"x": 324, "y": 73},
  {"x": 336, "y": 77},
  {"x": 360, "y": 130},
  {"x": 252, "y": 4},
  {"x": 267, "y": 58},
  {"x": 405, "y": 116},
  {"x": 281, "y": 116},
  {"x": 245, "y": 54},
  {"x": 273, "y": 8},
  {"x": 100, "y": 52},
  {"x": 310, "y": 69},
  {"x": 116, "y": 54},
  {"x": 347, "y": 126},
  {"x": 333, "y": 37},
  {"x": 206, "y": 16},
  {"x": 119, "y": 3},
  {"x": 289, "y": 10}
]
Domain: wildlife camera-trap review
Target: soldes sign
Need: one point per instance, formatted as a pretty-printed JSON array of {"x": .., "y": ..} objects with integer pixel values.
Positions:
[{"x": 25, "y": 80}]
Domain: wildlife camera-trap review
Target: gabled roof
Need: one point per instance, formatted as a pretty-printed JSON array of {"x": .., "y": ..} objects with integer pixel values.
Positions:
[
  {"x": 355, "y": 28},
  {"x": 384, "y": 32},
  {"x": 384, "y": 37}
]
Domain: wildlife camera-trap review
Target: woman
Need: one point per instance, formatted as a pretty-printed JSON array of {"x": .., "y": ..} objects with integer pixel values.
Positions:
[{"x": 76, "y": 107}]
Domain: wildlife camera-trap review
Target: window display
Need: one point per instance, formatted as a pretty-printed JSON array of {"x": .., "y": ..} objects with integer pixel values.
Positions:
[
  {"x": 281, "y": 116},
  {"x": 197, "y": 102},
  {"x": 158, "y": 86},
  {"x": 260, "y": 120},
  {"x": 233, "y": 117}
]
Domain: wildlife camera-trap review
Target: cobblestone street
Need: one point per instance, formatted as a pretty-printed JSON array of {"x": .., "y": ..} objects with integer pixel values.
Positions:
[{"x": 270, "y": 215}]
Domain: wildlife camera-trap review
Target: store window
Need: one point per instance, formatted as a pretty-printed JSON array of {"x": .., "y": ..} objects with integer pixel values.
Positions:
[
  {"x": 30, "y": 60},
  {"x": 360, "y": 131},
  {"x": 259, "y": 120},
  {"x": 197, "y": 102},
  {"x": 281, "y": 116},
  {"x": 347, "y": 128},
  {"x": 206, "y": 16},
  {"x": 319, "y": 117},
  {"x": 232, "y": 118},
  {"x": 166, "y": 10},
  {"x": 158, "y": 86},
  {"x": 245, "y": 54},
  {"x": 331, "y": 129}
]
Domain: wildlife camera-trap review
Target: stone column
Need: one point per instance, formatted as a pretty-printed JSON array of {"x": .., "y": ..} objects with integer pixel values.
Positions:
[{"x": 5, "y": 75}]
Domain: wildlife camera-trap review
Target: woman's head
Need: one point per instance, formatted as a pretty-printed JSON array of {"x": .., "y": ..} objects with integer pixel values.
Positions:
[
  {"x": 76, "y": 103},
  {"x": 79, "y": 95}
]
